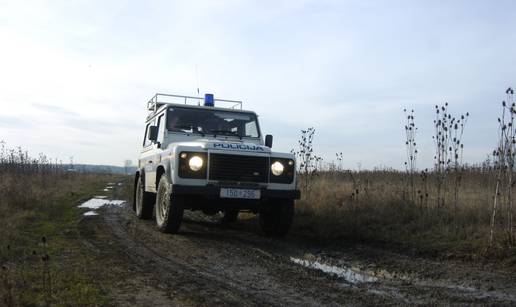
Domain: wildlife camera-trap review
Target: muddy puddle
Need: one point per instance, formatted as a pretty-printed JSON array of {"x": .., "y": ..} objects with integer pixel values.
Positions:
[
  {"x": 395, "y": 284},
  {"x": 98, "y": 202},
  {"x": 349, "y": 274}
]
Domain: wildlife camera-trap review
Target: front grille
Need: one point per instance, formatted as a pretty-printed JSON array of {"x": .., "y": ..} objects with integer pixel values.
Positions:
[{"x": 238, "y": 168}]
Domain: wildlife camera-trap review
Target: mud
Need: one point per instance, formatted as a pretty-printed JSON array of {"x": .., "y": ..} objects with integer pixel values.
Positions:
[{"x": 209, "y": 263}]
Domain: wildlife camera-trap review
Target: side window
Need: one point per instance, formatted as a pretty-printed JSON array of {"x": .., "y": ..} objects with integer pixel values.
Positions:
[
  {"x": 161, "y": 128},
  {"x": 145, "y": 136},
  {"x": 146, "y": 141}
]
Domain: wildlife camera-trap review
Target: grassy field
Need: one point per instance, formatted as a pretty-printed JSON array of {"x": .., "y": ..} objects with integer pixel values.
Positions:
[
  {"x": 378, "y": 207},
  {"x": 43, "y": 262}
]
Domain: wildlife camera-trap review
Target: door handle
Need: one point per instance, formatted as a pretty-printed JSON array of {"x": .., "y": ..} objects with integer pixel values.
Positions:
[{"x": 150, "y": 161}]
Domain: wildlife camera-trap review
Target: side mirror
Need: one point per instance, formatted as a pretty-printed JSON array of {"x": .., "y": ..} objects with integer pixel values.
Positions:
[
  {"x": 153, "y": 133},
  {"x": 268, "y": 140}
]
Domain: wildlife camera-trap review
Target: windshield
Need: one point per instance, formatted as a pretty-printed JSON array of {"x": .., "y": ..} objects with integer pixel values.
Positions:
[{"x": 213, "y": 122}]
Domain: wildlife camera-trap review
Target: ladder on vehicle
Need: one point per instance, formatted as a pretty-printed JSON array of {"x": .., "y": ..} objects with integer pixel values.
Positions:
[{"x": 159, "y": 100}]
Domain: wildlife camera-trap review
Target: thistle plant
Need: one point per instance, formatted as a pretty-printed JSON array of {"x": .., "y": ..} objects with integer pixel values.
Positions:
[
  {"x": 504, "y": 163},
  {"x": 411, "y": 150},
  {"x": 448, "y": 152},
  {"x": 340, "y": 160},
  {"x": 309, "y": 162},
  {"x": 457, "y": 151},
  {"x": 423, "y": 194}
]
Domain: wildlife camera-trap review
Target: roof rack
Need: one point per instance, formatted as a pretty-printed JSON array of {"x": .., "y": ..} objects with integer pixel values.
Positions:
[{"x": 159, "y": 100}]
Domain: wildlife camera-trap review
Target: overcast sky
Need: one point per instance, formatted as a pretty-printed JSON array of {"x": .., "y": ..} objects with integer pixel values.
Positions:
[{"x": 75, "y": 75}]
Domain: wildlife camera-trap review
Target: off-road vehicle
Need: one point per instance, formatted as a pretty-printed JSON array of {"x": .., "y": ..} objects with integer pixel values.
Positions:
[{"x": 198, "y": 155}]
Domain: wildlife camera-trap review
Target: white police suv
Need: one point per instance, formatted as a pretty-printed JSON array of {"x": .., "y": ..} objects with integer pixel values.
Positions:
[{"x": 199, "y": 156}]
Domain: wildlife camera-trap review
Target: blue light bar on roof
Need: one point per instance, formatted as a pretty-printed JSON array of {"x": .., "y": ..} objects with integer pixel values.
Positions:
[{"x": 209, "y": 100}]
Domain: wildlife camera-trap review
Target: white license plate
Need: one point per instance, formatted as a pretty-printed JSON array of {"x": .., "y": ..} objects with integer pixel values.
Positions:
[{"x": 239, "y": 193}]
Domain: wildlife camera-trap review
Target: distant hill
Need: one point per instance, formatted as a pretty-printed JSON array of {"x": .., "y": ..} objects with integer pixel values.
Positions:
[{"x": 105, "y": 169}]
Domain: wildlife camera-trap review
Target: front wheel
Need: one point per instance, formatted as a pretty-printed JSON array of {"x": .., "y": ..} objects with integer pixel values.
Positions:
[
  {"x": 277, "y": 217},
  {"x": 169, "y": 209}
]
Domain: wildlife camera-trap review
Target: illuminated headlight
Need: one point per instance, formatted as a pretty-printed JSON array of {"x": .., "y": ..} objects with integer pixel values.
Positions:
[
  {"x": 277, "y": 168},
  {"x": 195, "y": 163}
]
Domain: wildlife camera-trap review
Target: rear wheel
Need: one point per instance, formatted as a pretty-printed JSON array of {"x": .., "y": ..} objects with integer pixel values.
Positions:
[
  {"x": 169, "y": 209},
  {"x": 230, "y": 216},
  {"x": 144, "y": 201},
  {"x": 276, "y": 218}
]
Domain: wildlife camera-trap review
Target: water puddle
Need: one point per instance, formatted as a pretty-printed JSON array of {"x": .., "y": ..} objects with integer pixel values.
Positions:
[
  {"x": 350, "y": 275},
  {"x": 97, "y": 202},
  {"x": 111, "y": 185}
]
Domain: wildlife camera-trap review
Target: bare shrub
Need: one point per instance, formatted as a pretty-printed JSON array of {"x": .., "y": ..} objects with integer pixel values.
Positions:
[{"x": 308, "y": 161}]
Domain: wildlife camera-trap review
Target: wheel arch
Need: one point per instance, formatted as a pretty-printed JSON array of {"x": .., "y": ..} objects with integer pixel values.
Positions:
[{"x": 159, "y": 172}]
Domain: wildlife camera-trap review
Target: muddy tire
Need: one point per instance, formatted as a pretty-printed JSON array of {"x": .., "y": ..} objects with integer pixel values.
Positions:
[
  {"x": 230, "y": 216},
  {"x": 169, "y": 209},
  {"x": 143, "y": 201},
  {"x": 276, "y": 218}
]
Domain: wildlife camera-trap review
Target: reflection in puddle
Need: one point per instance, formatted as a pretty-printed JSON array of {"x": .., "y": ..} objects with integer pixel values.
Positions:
[
  {"x": 99, "y": 201},
  {"x": 348, "y": 274}
]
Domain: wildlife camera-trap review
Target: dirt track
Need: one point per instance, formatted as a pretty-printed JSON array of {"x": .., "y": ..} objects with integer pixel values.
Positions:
[{"x": 212, "y": 264}]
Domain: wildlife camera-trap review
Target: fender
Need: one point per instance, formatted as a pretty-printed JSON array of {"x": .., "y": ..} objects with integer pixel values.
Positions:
[{"x": 167, "y": 163}]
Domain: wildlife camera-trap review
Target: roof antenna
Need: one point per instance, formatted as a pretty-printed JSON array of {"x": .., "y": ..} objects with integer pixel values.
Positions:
[
  {"x": 197, "y": 78},
  {"x": 197, "y": 81}
]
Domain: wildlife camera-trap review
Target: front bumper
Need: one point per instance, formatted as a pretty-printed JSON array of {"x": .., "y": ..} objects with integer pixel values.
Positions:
[{"x": 213, "y": 192}]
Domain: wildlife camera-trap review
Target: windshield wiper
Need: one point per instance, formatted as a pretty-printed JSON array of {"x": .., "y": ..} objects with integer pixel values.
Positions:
[
  {"x": 183, "y": 127},
  {"x": 189, "y": 127},
  {"x": 226, "y": 132}
]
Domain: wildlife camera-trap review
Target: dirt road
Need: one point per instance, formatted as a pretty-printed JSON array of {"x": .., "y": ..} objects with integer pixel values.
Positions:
[{"x": 208, "y": 263}]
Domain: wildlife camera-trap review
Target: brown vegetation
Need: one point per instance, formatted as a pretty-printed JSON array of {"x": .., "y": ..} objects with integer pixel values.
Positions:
[{"x": 374, "y": 206}]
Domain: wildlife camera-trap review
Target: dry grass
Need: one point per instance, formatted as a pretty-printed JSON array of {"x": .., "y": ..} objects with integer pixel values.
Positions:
[{"x": 376, "y": 206}]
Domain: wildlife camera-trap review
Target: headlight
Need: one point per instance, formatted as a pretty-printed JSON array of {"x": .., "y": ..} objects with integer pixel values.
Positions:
[
  {"x": 192, "y": 165},
  {"x": 195, "y": 163},
  {"x": 277, "y": 168}
]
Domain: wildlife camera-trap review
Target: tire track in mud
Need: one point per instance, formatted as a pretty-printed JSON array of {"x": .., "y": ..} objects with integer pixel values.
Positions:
[
  {"x": 233, "y": 270},
  {"x": 142, "y": 250}
]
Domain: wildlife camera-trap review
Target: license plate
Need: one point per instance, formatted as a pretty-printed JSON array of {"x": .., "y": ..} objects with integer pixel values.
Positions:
[{"x": 239, "y": 193}]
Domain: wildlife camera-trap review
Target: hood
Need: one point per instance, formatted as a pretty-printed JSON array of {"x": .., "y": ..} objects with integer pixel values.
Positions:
[{"x": 227, "y": 145}]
